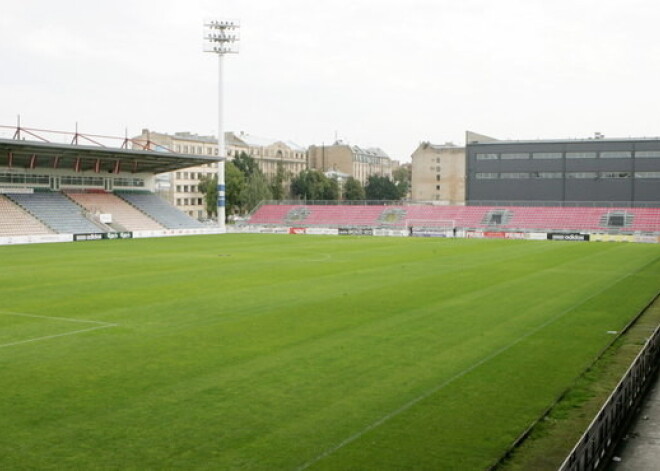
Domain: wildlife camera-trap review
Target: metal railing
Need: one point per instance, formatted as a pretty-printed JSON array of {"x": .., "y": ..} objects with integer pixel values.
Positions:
[{"x": 600, "y": 439}]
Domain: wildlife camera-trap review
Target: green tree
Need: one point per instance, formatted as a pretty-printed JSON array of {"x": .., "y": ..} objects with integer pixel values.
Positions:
[
  {"x": 314, "y": 185},
  {"x": 277, "y": 184},
  {"x": 381, "y": 188},
  {"x": 235, "y": 184},
  {"x": 246, "y": 164},
  {"x": 402, "y": 177},
  {"x": 353, "y": 190},
  {"x": 208, "y": 187},
  {"x": 256, "y": 190}
]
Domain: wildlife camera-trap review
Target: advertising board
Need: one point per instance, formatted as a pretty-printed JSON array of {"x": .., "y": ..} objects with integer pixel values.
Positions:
[{"x": 571, "y": 236}]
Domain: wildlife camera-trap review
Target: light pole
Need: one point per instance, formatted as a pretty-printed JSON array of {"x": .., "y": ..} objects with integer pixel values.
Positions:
[{"x": 221, "y": 37}]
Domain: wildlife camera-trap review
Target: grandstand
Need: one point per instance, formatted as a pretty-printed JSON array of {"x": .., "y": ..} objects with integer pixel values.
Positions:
[
  {"x": 15, "y": 221},
  {"x": 124, "y": 216},
  {"x": 100, "y": 187},
  {"x": 57, "y": 212},
  {"x": 161, "y": 211},
  {"x": 610, "y": 220}
]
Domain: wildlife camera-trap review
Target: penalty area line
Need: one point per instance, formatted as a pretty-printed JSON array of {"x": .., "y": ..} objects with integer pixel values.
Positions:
[
  {"x": 53, "y": 318},
  {"x": 457, "y": 376},
  {"x": 64, "y": 334}
]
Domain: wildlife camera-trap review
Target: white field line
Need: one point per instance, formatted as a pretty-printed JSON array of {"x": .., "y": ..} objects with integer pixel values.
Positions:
[
  {"x": 324, "y": 257},
  {"x": 453, "y": 378},
  {"x": 66, "y": 319},
  {"x": 73, "y": 332},
  {"x": 98, "y": 325}
]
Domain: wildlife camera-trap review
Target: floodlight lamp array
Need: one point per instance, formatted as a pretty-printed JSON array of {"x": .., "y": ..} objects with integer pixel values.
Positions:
[{"x": 221, "y": 36}]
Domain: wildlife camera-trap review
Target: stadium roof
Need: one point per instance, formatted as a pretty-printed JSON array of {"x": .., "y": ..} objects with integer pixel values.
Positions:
[
  {"x": 257, "y": 141},
  {"x": 32, "y": 154}
]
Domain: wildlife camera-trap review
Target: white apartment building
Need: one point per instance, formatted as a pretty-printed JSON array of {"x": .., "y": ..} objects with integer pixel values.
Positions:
[{"x": 183, "y": 191}]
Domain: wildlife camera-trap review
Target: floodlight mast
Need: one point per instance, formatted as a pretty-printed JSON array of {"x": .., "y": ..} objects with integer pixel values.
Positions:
[{"x": 221, "y": 37}]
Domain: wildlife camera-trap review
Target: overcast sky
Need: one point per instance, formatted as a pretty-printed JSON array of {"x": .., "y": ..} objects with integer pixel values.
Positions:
[{"x": 375, "y": 73}]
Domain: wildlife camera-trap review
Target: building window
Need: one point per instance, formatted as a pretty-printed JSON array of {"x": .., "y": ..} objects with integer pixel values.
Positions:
[
  {"x": 615, "y": 174},
  {"x": 546, "y": 175},
  {"x": 516, "y": 156},
  {"x": 486, "y": 176},
  {"x": 546, "y": 155},
  {"x": 185, "y": 149},
  {"x": 514, "y": 175},
  {"x": 437, "y": 187},
  {"x": 437, "y": 177},
  {"x": 647, "y": 174},
  {"x": 486, "y": 156},
  {"x": 581, "y": 175},
  {"x": 580, "y": 155},
  {"x": 616, "y": 155},
  {"x": 647, "y": 154}
]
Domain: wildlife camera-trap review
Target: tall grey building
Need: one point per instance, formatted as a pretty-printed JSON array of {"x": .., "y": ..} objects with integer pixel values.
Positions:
[{"x": 577, "y": 171}]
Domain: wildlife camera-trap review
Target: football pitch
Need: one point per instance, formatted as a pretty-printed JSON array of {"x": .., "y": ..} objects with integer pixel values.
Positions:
[{"x": 266, "y": 352}]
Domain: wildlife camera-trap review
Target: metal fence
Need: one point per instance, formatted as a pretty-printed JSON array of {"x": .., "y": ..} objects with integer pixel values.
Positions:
[{"x": 599, "y": 441}]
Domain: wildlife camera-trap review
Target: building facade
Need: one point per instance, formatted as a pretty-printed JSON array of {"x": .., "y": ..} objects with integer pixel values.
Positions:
[
  {"x": 268, "y": 153},
  {"x": 438, "y": 174},
  {"x": 354, "y": 161},
  {"x": 181, "y": 188},
  {"x": 611, "y": 171}
]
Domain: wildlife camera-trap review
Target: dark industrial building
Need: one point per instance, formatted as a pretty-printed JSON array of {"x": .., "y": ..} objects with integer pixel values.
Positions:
[{"x": 613, "y": 172}]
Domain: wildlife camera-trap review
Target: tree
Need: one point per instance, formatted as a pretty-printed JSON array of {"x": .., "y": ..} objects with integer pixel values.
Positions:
[
  {"x": 235, "y": 184},
  {"x": 330, "y": 189},
  {"x": 256, "y": 191},
  {"x": 353, "y": 190},
  {"x": 314, "y": 185},
  {"x": 208, "y": 186},
  {"x": 402, "y": 176},
  {"x": 246, "y": 164},
  {"x": 381, "y": 188},
  {"x": 277, "y": 184}
]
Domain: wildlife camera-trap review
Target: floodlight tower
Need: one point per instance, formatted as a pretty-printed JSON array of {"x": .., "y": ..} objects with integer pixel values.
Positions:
[{"x": 221, "y": 37}]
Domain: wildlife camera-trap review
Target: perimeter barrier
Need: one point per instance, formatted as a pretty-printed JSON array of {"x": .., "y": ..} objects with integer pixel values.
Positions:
[{"x": 599, "y": 441}]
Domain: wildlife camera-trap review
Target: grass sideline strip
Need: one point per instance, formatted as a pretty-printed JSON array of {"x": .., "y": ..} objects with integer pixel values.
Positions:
[{"x": 545, "y": 445}]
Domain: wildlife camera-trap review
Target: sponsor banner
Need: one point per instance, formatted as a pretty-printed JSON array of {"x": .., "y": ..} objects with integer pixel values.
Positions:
[
  {"x": 321, "y": 231},
  {"x": 35, "y": 239},
  {"x": 646, "y": 239},
  {"x": 612, "y": 238},
  {"x": 365, "y": 231},
  {"x": 176, "y": 232},
  {"x": 296, "y": 230},
  {"x": 495, "y": 235},
  {"x": 390, "y": 233},
  {"x": 474, "y": 234},
  {"x": 273, "y": 230},
  {"x": 105, "y": 218},
  {"x": 428, "y": 232},
  {"x": 574, "y": 236},
  {"x": 118, "y": 235},
  {"x": 537, "y": 236},
  {"x": 516, "y": 235},
  {"x": 89, "y": 236},
  {"x": 102, "y": 236}
]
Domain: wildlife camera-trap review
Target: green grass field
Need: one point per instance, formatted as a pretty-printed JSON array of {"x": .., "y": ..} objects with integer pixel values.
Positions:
[{"x": 248, "y": 352}]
